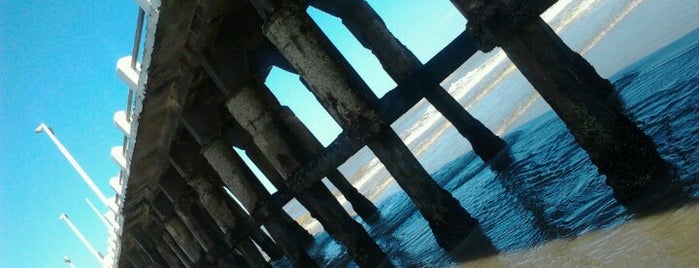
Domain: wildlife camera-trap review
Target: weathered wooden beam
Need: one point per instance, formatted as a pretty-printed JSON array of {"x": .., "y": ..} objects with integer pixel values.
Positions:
[
  {"x": 585, "y": 102},
  {"x": 400, "y": 63},
  {"x": 352, "y": 104}
]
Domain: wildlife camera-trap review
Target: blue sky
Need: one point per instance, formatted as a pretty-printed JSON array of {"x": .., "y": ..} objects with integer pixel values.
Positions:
[
  {"x": 57, "y": 62},
  {"x": 412, "y": 23},
  {"x": 57, "y": 65}
]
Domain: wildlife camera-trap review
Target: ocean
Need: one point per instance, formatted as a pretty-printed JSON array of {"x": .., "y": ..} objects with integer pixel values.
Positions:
[{"x": 550, "y": 207}]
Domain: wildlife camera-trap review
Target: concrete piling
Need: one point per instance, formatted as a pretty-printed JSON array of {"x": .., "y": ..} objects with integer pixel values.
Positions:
[
  {"x": 205, "y": 93},
  {"x": 257, "y": 111},
  {"x": 175, "y": 248},
  {"x": 400, "y": 63},
  {"x": 230, "y": 217},
  {"x": 350, "y": 102},
  {"x": 203, "y": 226},
  {"x": 312, "y": 147},
  {"x": 585, "y": 102},
  {"x": 234, "y": 135},
  {"x": 171, "y": 258},
  {"x": 149, "y": 248},
  {"x": 179, "y": 234},
  {"x": 233, "y": 172},
  {"x": 252, "y": 106},
  {"x": 138, "y": 259}
]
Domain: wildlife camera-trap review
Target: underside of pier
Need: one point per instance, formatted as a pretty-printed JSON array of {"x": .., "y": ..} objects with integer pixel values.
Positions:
[{"x": 204, "y": 93}]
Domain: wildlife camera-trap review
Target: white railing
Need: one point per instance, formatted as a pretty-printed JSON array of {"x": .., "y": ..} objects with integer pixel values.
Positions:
[{"x": 130, "y": 72}]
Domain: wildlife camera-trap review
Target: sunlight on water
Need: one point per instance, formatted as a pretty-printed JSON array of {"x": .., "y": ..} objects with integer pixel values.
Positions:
[{"x": 550, "y": 208}]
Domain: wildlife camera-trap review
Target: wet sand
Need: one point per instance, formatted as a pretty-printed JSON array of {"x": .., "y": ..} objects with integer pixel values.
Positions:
[{"x": 667, "y": 239}]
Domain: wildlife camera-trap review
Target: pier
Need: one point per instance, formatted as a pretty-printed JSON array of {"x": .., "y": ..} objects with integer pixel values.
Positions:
[{"x": 199, "y": 92}]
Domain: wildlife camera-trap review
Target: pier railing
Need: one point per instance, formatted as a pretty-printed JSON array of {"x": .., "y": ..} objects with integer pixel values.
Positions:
[{"x": 128, "y": 70}]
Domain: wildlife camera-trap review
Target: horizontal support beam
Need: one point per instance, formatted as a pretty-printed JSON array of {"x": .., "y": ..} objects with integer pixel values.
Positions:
[
  {"x": 398, "y": 101},
  {"x": 394, "y": 104}
]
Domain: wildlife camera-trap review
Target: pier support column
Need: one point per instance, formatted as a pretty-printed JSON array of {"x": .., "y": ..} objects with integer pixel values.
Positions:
[
  {"x": 257, "y": 110},
  {"x": 260, "y": 111},
  {"x": 400, "y": 63},
  {"x": 585, "y": 102},
  {"x": 292, "y": 247},
  {"x": 234, "y": 173},
  {"x": 204, "y": 228},
  {"x": 207, "y": 126},
  {"x": 170, "y": 256},
  {"x": 235, "y": 135},
  {"x": 352, "y": 104},
  {"x": 229, "y": 216},
  {"x": 177, "y": 232},
  {"x": 144, "y": 242},
  {"x": 312, "y": 147},
  {"x": 196, "y": 218},
  {"x": 225, "y": 218},
  {"x": 232, "y": 132},
  {"x": 175, "y": 248},
  {"x": 188, "y": 214},
  {"x": 138, "y": 258}
]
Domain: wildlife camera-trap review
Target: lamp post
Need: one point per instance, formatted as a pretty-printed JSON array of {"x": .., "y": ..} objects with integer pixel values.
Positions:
[
  {"x": 45, "y": 129},
  {"x": 68, "y": 262},
  {"x": 82, "y": 238},
  {"x": 107, "y": 222}
]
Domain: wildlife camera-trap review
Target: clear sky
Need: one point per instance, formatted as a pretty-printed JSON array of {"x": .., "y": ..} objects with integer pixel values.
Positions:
[{"x": 57, "y": 66}]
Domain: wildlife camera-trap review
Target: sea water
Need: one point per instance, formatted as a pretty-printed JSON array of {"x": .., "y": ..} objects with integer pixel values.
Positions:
[{"x": 550, "y": 207}]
